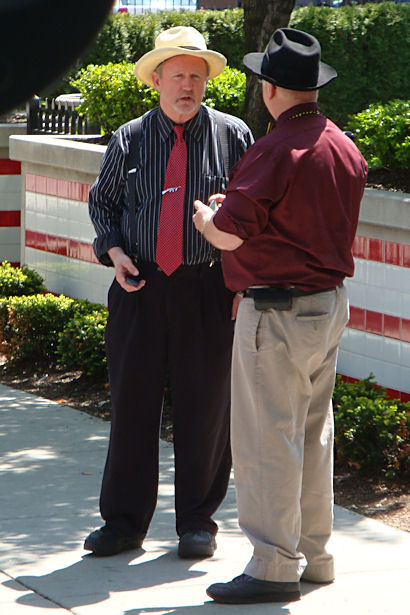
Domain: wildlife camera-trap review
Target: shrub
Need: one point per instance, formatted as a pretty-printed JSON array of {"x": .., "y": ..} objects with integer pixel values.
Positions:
[
  {"x": 372, "y": 432},
  {"x": 69, "y": 332},
  {"x": 29, "y": 325},
  {"x": 226, "y": 92},
  {"x": 19, "y": 280},
  {"x": 81, "y": 343},
  {"x": 112, "y": 95},
  {"x": 128, "y": 37},
  {"x": 125, "y": 38},
  {"x": 359, "y": 41},
  {"x": 368, "y": 46},
  {"x": 382, "y": 134}
]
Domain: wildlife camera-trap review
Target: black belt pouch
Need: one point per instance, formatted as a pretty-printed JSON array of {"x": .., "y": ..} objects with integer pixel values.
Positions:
[{"x": 276, "y": 298}]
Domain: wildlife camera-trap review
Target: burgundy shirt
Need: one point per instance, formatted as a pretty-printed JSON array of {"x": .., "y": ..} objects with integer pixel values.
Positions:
[{"x": 294, "y": 199}]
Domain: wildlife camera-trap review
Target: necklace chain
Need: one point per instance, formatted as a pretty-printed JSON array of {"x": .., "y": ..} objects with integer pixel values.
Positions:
[{"x": 312, "y": 112}]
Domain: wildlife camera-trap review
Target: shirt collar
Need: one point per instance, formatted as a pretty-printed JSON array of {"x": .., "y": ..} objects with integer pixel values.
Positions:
[
  {"x": 305, "y": 109},
  {"x": 193, "y": 126}
]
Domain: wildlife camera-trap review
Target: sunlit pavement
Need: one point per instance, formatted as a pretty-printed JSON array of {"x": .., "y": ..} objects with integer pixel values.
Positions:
[{"x": 51, "y": 461}]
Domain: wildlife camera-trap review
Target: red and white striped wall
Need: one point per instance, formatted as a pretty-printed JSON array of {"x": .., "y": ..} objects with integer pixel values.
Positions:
[
  {"x": 57, "y": 174},
  {"x": 58, "y": 238},
  {"x": 377, "y": 338},
  {"x": 10, "y": 210},
  {"x": 58, "y": 244}
]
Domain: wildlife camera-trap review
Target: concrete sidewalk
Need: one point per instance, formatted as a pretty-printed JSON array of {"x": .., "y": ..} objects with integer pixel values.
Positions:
[{"x": 51, "y": 461}]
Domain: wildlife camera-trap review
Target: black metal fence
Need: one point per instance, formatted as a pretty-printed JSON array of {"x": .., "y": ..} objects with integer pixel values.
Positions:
[{"x": 50, "y": 116}]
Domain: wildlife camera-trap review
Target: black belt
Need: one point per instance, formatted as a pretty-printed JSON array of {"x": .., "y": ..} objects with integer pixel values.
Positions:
[{"x": 280, "y": 298}]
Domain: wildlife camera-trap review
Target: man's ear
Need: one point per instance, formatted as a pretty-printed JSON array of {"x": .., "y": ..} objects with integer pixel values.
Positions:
[
  {"x": 156, "y": 80},
  {"x": 271, "y": 90}
]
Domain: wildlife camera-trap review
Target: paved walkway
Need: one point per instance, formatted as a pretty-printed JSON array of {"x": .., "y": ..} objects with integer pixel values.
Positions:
[{"x": 51, "y": 459}]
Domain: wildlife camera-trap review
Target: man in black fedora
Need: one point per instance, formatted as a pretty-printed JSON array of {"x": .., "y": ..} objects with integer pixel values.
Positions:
[{"x": 286, "y": 228}]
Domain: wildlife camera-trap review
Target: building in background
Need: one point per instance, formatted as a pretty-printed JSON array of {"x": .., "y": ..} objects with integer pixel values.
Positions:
[
  {"x": 141, "y": 6},
  {"x": 219, "y": 4}
]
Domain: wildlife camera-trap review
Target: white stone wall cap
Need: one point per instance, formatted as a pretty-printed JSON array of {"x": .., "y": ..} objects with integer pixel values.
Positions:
[
  {"x": 58, "y": 151},
  {"x": 386, "y": 208},
  {"x": 11, "y": 128}
]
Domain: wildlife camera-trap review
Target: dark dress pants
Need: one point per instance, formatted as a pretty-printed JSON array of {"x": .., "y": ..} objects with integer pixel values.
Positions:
[{"x": 181, "y": 323}]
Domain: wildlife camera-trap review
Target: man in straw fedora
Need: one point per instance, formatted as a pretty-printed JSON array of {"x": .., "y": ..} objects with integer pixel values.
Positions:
[
  {"x": 169, "y": 310},
  {"x": 287, "y": 227}
]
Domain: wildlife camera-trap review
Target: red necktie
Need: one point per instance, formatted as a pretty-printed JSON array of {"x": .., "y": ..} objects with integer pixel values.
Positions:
[{"x": 171, "y": 221}]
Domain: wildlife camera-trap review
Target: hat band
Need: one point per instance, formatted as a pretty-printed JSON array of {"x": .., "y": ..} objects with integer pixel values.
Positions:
[{"x": 189, "y": 47}]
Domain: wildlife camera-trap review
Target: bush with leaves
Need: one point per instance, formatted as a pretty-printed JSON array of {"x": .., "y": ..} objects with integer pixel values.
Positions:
[
  {"x": 372, "y": 432},
  {"x": 359, "y": 41},
  {"x": 29, "y": 325},
  {"x": 226, "y": 92},
  {"x": 368, "y": 46},
  {"x": 81, "y": 344},
  {"x": 126, "y": 37},
  {"x": 19, "y": 280},
  {"x": 113, "y": 96},
  {"x": 383, "y": 134}
]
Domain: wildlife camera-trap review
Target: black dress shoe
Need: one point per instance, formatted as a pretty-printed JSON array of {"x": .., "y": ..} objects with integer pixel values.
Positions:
[
  {"x": 109, "y": 541},
  {"x": 248, "y": 590},
  {"x": 196, "y": 545}
]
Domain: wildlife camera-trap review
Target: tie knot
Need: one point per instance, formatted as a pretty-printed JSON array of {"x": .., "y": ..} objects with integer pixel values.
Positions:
[{"x": 179, "y": 131}]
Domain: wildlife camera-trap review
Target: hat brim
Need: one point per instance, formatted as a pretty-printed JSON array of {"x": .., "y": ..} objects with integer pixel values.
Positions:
[
  {"x": 146, "y": 65},
  {"x": 253, "y": 62}
]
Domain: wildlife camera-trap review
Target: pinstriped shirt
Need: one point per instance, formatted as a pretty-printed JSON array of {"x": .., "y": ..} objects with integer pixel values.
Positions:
[{"x": 206, "y": 175}]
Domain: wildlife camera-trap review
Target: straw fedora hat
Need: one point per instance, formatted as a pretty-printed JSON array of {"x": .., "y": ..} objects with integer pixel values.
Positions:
[{"x": 181, "y": 40}]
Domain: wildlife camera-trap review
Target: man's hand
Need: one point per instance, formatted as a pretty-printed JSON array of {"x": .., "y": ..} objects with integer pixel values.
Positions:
[
  {"x": 216, "y": 200},
  {"x": 235, "y": 305},
  {"x": 204, "y": 224},
  {"x": 123, "y": 266},
  {"x": 202, "y": 216}
]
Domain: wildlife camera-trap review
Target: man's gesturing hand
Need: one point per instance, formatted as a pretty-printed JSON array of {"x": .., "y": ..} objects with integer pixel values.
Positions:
[{"x": 124, "y": 266}]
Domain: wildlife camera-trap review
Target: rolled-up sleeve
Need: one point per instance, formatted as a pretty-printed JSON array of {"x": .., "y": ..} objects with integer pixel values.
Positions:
[
  {"x": 106, "y": 200},
  {"x": 249, "y": 197}
]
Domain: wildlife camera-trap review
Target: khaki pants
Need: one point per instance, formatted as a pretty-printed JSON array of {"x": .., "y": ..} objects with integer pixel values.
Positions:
[{"x": 283, "y": 373}]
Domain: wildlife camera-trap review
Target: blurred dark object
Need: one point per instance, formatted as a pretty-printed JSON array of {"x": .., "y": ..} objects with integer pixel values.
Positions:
[
  {"x": 349, "y": 134},
  {"x": 40, "y": 39}
]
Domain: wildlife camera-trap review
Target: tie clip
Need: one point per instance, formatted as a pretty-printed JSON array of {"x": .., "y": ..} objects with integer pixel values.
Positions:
[{"x": 170, "y": 190}]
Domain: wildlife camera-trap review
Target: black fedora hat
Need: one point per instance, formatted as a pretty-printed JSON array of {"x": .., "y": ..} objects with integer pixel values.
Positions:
[{"x": 291, "y": 60}]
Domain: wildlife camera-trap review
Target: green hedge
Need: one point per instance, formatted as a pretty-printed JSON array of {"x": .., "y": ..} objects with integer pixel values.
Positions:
[
  {"x": 383, "y": 134},
  {"x": 125, "y": 37},
  {"x": 112, "y": 95},
  {"x": 372, "y": 432},
  {"x": 29, "y": 325},
  {"x": 367, "y": 44},
  {"x": 369, "y": 47},
  {"x": 31, "y": 329},
  {"x": 19, "y": 280},
  {"x": 81, "y": 344}
]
